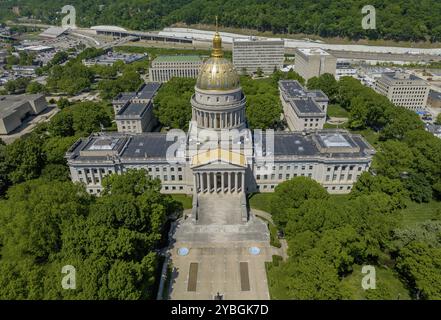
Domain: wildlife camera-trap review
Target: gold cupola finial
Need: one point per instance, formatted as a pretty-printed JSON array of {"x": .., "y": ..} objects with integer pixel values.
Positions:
[{"x": 217, "y": 44}]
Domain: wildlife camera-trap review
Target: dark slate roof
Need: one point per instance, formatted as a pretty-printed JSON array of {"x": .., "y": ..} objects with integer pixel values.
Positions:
[
  {"x": 307, "y": 106},
  {"x": 148, "y": 145},
  {"x": 149, "y": 90},
  {"x": 133, "y": 110},
  {"x": 124, "y": 97},
  {"x": 318, "y": 95},
  {"x": 293, "y": 88},
  {"x": 298, "y": 144},
  {"x": 154, "y": 146}
]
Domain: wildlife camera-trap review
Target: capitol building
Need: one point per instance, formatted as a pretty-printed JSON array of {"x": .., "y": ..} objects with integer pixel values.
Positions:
[{"x": 219, "y": 154}]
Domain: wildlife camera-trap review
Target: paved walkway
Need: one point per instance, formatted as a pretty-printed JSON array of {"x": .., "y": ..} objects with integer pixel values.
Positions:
[
  {"x": 219, "y": 271},
  {"x": 219, "y": 258}
]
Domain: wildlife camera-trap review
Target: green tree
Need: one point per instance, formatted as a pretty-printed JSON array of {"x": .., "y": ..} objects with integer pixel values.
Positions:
[
  {"x": 394, "y": 160},
  {"x": 292, "y": 194},
  {"x": 172, "y": 103},
  {"x": 35, "y": 87},
  {"x": 25, "y": 158},
  {"x": 420, "y": 265}
]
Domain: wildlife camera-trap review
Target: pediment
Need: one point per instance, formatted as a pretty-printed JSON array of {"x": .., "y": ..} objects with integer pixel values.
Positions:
[{"x": 219, "y": 158}]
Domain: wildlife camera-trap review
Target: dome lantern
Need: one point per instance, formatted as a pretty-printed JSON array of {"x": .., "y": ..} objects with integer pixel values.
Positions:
[{"x": 218, "y": 73}]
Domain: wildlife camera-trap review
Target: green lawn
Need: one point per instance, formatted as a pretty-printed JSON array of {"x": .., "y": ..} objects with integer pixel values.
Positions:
[
  {"x": 335, "y": 110},
  {"x": 261, "y": 201},
  {"x": 420, "y": 212},
  {"x": 386, "y": 280},
  {"x": 184, "y": 199}
]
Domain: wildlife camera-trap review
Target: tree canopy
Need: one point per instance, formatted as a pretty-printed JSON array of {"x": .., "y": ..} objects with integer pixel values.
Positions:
[{"x": 403, "y": 20}]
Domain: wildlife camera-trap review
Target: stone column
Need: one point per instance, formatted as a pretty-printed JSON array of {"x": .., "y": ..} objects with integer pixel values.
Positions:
[
  {"x": 236, "y": 179},
  {"x": 195, "y": 182},
  {"x": 229, "y": 182},
  {"x": 243, "y": 183},
  {"x": 215, "y": 182},
  {"x": 223, "y": 182}
]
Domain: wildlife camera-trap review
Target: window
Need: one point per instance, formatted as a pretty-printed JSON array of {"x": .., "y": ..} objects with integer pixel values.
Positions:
[
  {"x": 180, "y": 178},
  {"x": 173, "y": 178},
  {"x": 280, "y": 176},
  {"x": 258, "y": 177}
]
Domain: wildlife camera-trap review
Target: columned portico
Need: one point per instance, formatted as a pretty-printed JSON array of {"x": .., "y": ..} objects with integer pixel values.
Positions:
[{"x": 220, "y": 182}]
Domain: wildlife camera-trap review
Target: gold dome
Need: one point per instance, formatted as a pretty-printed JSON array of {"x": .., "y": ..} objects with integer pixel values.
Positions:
[{"x": 217, "y": 73}]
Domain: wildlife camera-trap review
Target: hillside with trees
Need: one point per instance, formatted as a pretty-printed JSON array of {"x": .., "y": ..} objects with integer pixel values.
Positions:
[{"x": 401, "y": 20}]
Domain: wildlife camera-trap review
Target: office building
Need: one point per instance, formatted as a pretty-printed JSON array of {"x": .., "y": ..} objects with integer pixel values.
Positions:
[
  {"x": 15, "y": 109},
  {"x": 303, "y": 109},
  {"x": 251, "y": 55},
  {"x": 163, "y": 68},
  {"x": 134, "y": 110},
  {"x": 314, "y": 62},
  {"x": 404, "y": 90}
]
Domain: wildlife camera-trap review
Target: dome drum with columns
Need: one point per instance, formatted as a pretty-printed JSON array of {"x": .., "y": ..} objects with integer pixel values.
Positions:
[{"x": 218, "y": 102}]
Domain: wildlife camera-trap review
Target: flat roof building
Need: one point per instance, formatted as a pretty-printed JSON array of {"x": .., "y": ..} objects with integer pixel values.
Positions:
[
  {"x": 134, "y": 110},
  {"x": 164, "y": 68},
  {"x": 14, "y": 109},
  {"x": 404, "y": 90},
  {"x": 251, "y": 55},
  {"x": 303, "y": 109},
  {"x": 111, "y": 57},
  {"x": 314, "y": 62}
]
